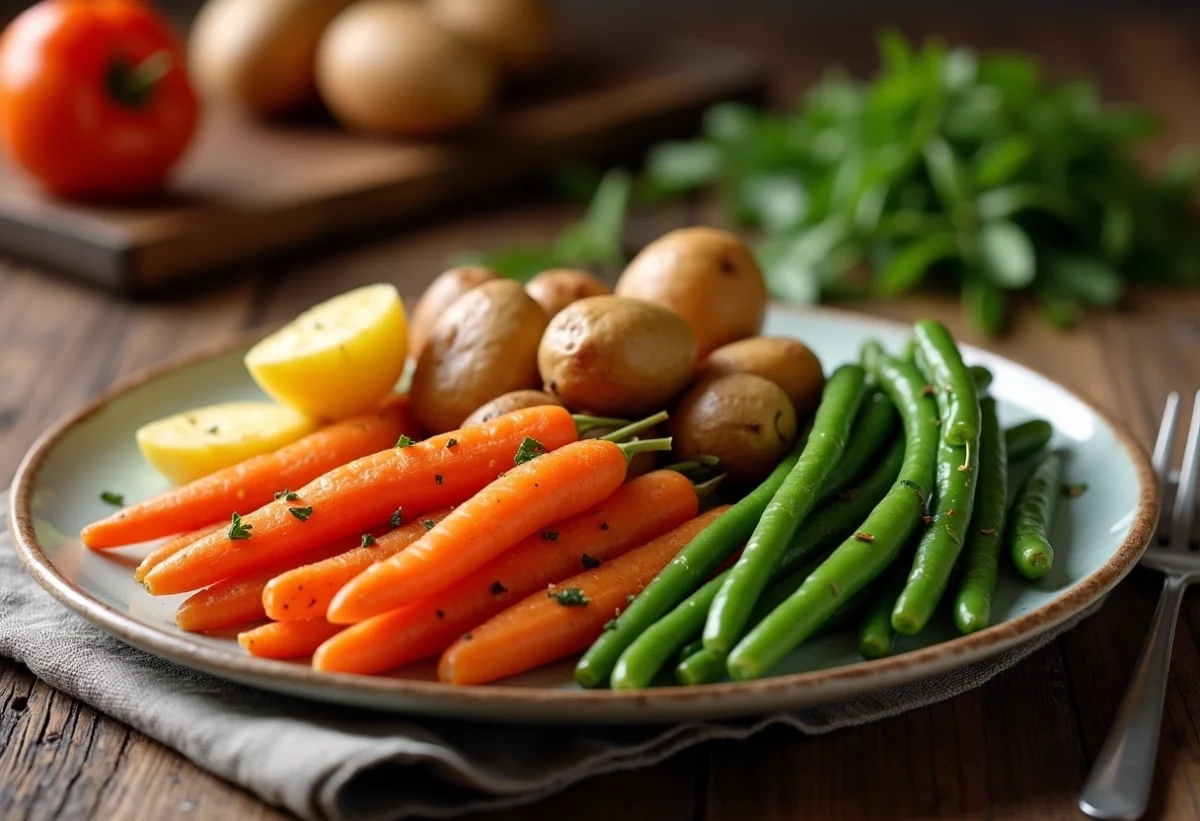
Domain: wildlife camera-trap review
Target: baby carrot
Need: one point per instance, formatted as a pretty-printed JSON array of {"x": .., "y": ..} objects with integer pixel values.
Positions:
[
  {"x": 523, "y": 501},
  {"x": 566, "y": 618},
  {"x": 253, "y": 483},
  {"x": 288, "y": 639},
  {"x": 641, "y": 509},
  {"x": 239, "y": 599},
  {"x": 305, "y": 592},
  {"x": 168, "y": 549},
  {"x": 422, "y": 476}
]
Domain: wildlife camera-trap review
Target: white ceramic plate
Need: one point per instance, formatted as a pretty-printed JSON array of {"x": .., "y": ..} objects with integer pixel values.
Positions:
[{"x": 1099, "y": 537}]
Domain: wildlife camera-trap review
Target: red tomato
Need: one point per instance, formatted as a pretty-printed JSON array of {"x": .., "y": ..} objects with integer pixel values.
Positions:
[{"x": 94, "y": 96}]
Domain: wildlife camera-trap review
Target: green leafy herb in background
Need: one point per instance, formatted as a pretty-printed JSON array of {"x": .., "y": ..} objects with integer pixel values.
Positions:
[{"x": 948, "y": 167}]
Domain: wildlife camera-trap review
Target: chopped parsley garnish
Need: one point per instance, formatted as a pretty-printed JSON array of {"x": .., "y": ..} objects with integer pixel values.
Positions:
[
  {"x": 239, "y": 531},
  {"x": 611, "y": 624},
  {"x": 213, "y": 429},
  {"x": 368, "y": 540},
  {"x": 428, "y": 524},
  {"x": 117, "y": 499},
  {"x": 397, "y": 517},
  {"x": 529, "y": 450},
  {"x": 301, "y": 513},
  {"x": 466, "y": 637},
  {"x": 437, "y": 477},
  {"x": 451, "y": 443},
  {"x": 498, "y": 588},
  {"x": 441, "y": 614},
  {"x": 571, "y": 597},
  {"x": 404, "y": 442},
  {"x": 286, "y": 495},
  {"x": 604, "y": 525},
  {"x": 550, "y": 535},
  {"x": 589, "y": 561}
]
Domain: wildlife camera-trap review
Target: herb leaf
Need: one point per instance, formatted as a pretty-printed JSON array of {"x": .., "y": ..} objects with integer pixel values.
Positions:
[
  {"x": 239, "y": 531},
  {"x": 428, "y": 524},
  {"x": 529, "y": 450},
  {"x": 397, "y": 518},
  {"x": 570, "y": 597},
  {"x": 301, "y": 513},
  {"x": 404, "y": 442},
  {"x": 589, "y": 561},
  {"x": 117, "y": 499},
  {"x": 367, "y": 540}
]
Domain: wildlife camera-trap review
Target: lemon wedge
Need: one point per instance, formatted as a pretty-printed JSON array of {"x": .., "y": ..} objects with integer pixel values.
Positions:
[
  {"x": 337, "y": 359},
  {"x": 190, "y": 445}
]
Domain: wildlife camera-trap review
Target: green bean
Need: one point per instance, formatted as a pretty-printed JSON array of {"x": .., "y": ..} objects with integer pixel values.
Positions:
[
  {"x": 690, "y": 649},
  {"x": 876, "y": 420},
  {"x": 1026, "y": 439},
  {"x": 1031, "y": 519},
  {"x": 876, "y": 636},
  {"x": 681, "y": 577},
  {"x": 981, "y": 558},
  {"x": 641, "y": 661},
  {"x": 748, "y": 578},
  {"x": 982, "y": 376},
  {"x": 868, "y": 552},
  {"x": 953, "y": 383}
]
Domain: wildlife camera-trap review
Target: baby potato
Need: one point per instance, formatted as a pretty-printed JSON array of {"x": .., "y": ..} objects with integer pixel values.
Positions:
[
  {"x": 440, "y": 295},
  {"x": 744, "y": 420},
  {"x": 337, "y": 359},
  {"x": 516, "y": 34},
  {"x": 614, "y": 356},
  {"x": 388, "y": 67},
  {"x": 787, "y": 362},
  {"x": 557, "y": 288},
  {"x": 507, "y": 403},
  {"x": 484, "y": 346},
  {"x": 708, "y": 277},
  {"x": 190, "y": 445}
]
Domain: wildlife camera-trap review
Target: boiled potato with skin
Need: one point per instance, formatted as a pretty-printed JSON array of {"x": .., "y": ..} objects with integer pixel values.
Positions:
[
  {"x": 708, "y": 277},
  {"x": 387, "y": 67},
  {"x": 439, "y": 296},
  {"x": 789, "y": 363},
  {"x": 190, "y": 445},
  {"x": 508, "y": 403},
  {"x": 337, "y": 359},
  {"x": 613, "y": 356},
  {"x": 258, "y": 54},
  {"x": 744, "y": 420},
  {"x": 557, "y": 288},
  {"x": 485, "y": 345},
  {"x": 516, "y": 34}
]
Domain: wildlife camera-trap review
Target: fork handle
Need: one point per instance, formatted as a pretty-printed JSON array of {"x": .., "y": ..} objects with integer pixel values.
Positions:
[{"x": 1119, "y": 784}]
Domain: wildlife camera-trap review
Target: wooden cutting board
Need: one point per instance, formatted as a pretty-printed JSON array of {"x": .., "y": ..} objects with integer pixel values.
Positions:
[{"x": 248, "y": 189}]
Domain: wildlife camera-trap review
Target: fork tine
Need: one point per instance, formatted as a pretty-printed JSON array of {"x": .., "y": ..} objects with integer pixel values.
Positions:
[
  {"x": 1185, "y": 496},
  {"x": 1161, "y": 461}
]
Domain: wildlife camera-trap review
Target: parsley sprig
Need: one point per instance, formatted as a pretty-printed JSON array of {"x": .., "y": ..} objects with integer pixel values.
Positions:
[{"x": 239, "y": 531}]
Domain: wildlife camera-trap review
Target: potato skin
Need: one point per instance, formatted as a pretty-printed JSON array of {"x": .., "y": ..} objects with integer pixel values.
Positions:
[
  {"x": 258, "y": 54},
  {"x": 557, "y": 288},
  {"x": 616, "y": 357},
  {"x": 440, "y": 295},
  {"x": 789, "y": 363},
  {"x": 744, "y": 420},
  {"x": 507, "y": 403},
  {"x": 708, "y": 277},
  {"x": 387, "y": 67},
  {"x": 484, "y": 345},
  {"x": 517, "y": 34}
]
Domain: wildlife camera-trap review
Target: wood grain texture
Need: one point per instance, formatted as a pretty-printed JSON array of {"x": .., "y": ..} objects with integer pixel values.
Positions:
[{"x": 1017, "y": 748}]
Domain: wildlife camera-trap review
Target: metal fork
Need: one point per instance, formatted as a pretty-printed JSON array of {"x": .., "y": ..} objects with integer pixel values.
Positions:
[{"x": 1119, "y": 784}]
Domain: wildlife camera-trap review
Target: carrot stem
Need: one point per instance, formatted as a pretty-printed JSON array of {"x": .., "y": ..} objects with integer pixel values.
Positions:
[
  {"x": 635, "y": 428},
  {"x": 585, "y": 423},
  {"x": 631, "y": 449}
]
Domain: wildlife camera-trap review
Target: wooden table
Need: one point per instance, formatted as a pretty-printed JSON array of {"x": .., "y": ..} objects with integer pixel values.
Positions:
[{"x": 1018, "y": 747}]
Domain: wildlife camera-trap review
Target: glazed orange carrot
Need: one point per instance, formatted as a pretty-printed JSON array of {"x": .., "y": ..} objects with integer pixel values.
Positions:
[
  {"x": 640, "y": 510},
  {"x": 288, "y": 639},
  {"x": 522, "y": 502},
  {"x": 440, "y": 471},
  {"x": 564, "y": 619},
  {"x": 239, "y": 599},
  {"x": 306, "y": 591},
  {"x": 168, "y": 549},
  {"x": 253, "y": 483}
]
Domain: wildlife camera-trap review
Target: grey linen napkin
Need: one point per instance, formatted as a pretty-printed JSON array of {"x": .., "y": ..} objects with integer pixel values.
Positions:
[{"x": 322, "y": 761}]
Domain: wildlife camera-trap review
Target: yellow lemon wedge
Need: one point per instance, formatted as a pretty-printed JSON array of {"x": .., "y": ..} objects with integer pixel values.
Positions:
[
  {"x": 337, "y": 359},
  {"x": 190, "y": 445}
]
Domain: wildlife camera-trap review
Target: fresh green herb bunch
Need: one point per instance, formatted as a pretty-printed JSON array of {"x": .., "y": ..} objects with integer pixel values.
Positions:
[{"x": 969, "y": 169}]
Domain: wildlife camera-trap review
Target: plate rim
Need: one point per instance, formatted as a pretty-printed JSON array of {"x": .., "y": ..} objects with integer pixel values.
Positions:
[{"x": 444, "y": 697}]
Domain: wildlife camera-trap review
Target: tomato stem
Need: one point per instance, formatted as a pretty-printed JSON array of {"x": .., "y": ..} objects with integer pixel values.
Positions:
[{"x": 131, "y": 85}]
